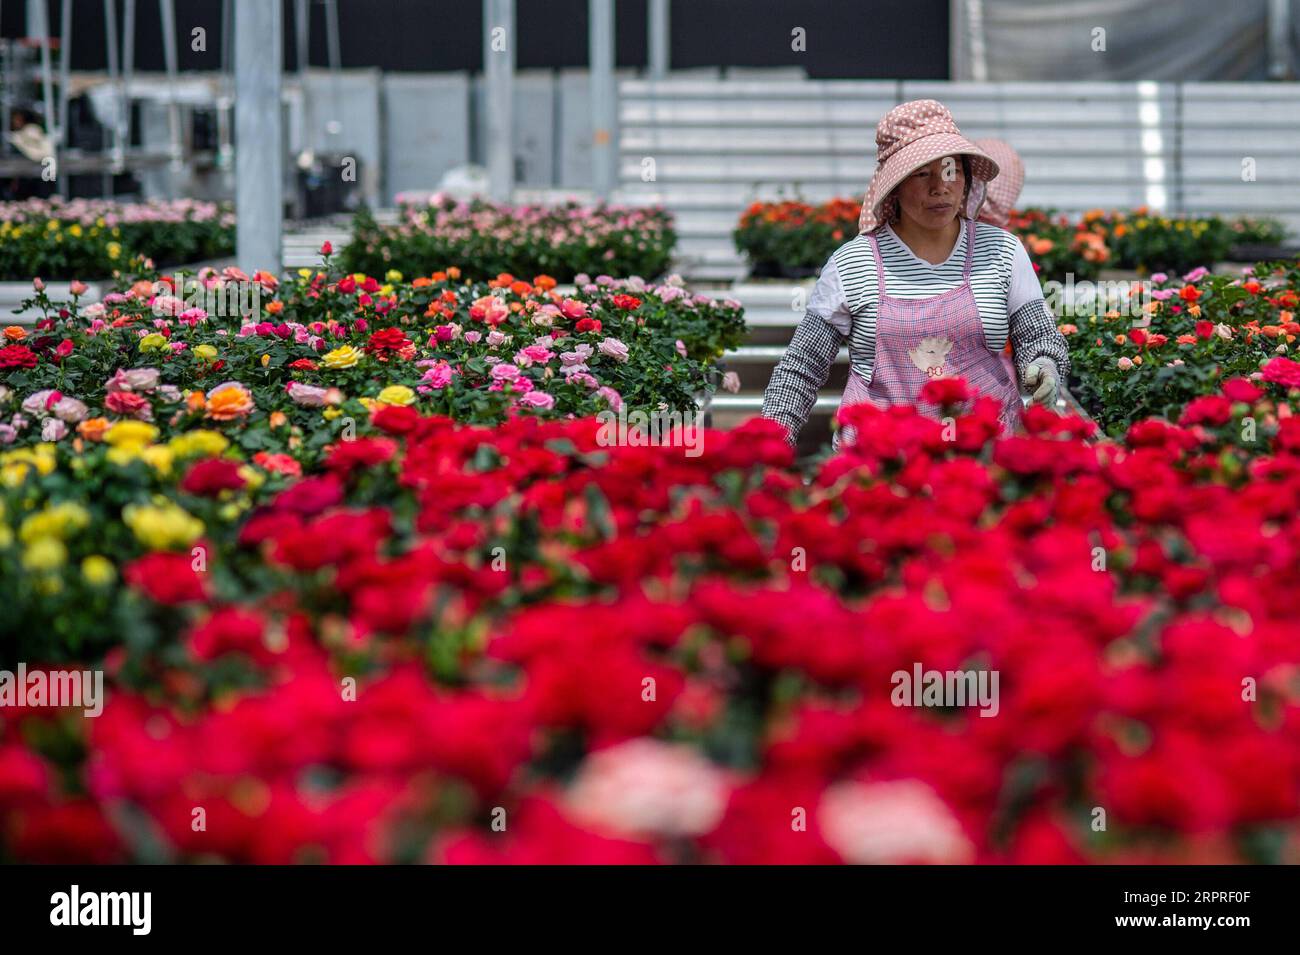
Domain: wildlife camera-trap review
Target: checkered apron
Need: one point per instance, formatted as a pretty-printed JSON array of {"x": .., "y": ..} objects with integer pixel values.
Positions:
[{"x": 921, "y": 339}]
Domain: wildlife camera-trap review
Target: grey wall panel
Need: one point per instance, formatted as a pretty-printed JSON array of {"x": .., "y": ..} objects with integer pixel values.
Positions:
[
  {"x": 426, "y": 129},
  {"x": 353, "y": 100}
]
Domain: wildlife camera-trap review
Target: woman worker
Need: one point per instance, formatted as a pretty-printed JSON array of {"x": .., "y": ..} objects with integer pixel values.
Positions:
[{"x": 925, "y": 290}]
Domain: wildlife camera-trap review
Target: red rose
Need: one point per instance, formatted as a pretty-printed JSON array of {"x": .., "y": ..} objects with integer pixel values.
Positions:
[
  {"x": 1204, "y": 329},
  {"x": 1213, "y": 410},
  {"x": 587, "y": 325},
  {"x": 346, "y": 456},
  {"x": 1137, "y": 336},
  {"x": 210, "y": 477},
  {"x": 311, "y": 495},
  {"x": 387, "y": 340},
  {"x": 628, "y": 302},
  {"x": 229, "y": 630},
  {"x": 1240, "y": 389},
  {"x": 1283, "y": 371},
  {"x": 17, "y": 356},
  {"x": 166, "y": 578},
  {"x": 128, "y": 403},
  {"x": 945, "y": 391},
  {"x": 395, "y": 419}
]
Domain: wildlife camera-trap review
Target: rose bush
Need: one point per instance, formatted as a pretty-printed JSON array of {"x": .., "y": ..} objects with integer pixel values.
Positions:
[
  {"x": 318, "y": 355},
  {"x": 94, "y": 238},
  {"x": 632, "y": 655},
  {"x": 485, "y": 238},
  {"x": 1197, "y": 332},
  {"x": 792, "y": 238}
]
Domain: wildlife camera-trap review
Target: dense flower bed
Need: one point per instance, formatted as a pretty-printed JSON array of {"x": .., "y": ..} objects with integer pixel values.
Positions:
[
  {"x": 1195, "y": 332},
  {"x": 1058, "y": 247},
  {"x": 793, "y": 238},
  {"x": 286, "y": 368},
  {"x": 1137, "y": 240},
  {"x": 485, "y": 238},
  {"x": 95, "y": 238},
  {"x": 516, "y": 644}
]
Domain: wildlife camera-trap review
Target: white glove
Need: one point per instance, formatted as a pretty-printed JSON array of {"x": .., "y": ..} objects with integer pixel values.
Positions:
[{"x": 1041, "y": 378}]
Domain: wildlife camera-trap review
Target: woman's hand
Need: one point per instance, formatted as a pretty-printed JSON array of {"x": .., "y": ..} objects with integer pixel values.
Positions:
[{"x": 1041, "y": 378}]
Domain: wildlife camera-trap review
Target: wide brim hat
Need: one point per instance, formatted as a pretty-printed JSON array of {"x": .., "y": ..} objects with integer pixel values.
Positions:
[
  {"x": 1004, "y": 191},
  {"x": 913, "y": 135}
]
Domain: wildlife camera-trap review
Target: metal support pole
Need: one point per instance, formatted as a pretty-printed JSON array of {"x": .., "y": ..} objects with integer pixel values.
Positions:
[
  {"x": 659, "y": 38},
  {"x": 333, "y": 127},
  {"x": 1279, "y": 39},
  {"x": 39, "y": 24},
  {"x": 226, "y": 94},
  {"x": 499, "y": 95},
  {"x": 128, "y": 71},
  {"x": 120, "y": 106},
  {"x": 302, "y": 36},
  {"x": 65, "y": 65},
  {"x": 603, "y": 95},
  {"x": 259, "y": 180},
  {"x": 167, "y": 10}
]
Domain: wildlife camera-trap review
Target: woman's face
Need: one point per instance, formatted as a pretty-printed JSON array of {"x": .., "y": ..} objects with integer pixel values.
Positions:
[{"x": 932, "y": 195}]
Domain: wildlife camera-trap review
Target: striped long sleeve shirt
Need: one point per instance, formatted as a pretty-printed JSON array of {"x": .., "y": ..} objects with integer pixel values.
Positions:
[{"x": 842, "y": 308}]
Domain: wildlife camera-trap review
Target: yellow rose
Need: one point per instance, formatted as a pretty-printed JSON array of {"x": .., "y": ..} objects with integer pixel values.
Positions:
[
  {"x": 98, "y": 571},
  {"x": 199, "y": 443},
  {"x": 45, "y": 554},
  {"x": 114, "y": 249},
  {"x": 131, "y": 434},
  {"x": 392, "y": 275},
  {"x": 154, "y": 342},
  {"x": 159, "y": 457},
  {"x": 206, "y": 352},
  {"x": 345, "y": 356},
  {"x": 329, "y": 414},
  {"x": 396, "y": 395},
  {"x": 162, "y": 526},
  {"x": 59, "y": 521}
]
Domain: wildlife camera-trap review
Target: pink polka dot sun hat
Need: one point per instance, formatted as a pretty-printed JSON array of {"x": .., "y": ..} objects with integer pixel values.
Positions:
[{"x": 912, "y": 135}]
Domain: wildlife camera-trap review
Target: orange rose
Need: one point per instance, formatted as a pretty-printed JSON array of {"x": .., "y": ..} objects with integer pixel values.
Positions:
[
  {"x": 92, "y": 429},
  {"x": 15, "y": 333},
  {"x": 228, "y": 401},
  {"x": 545, "y": 282}
]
